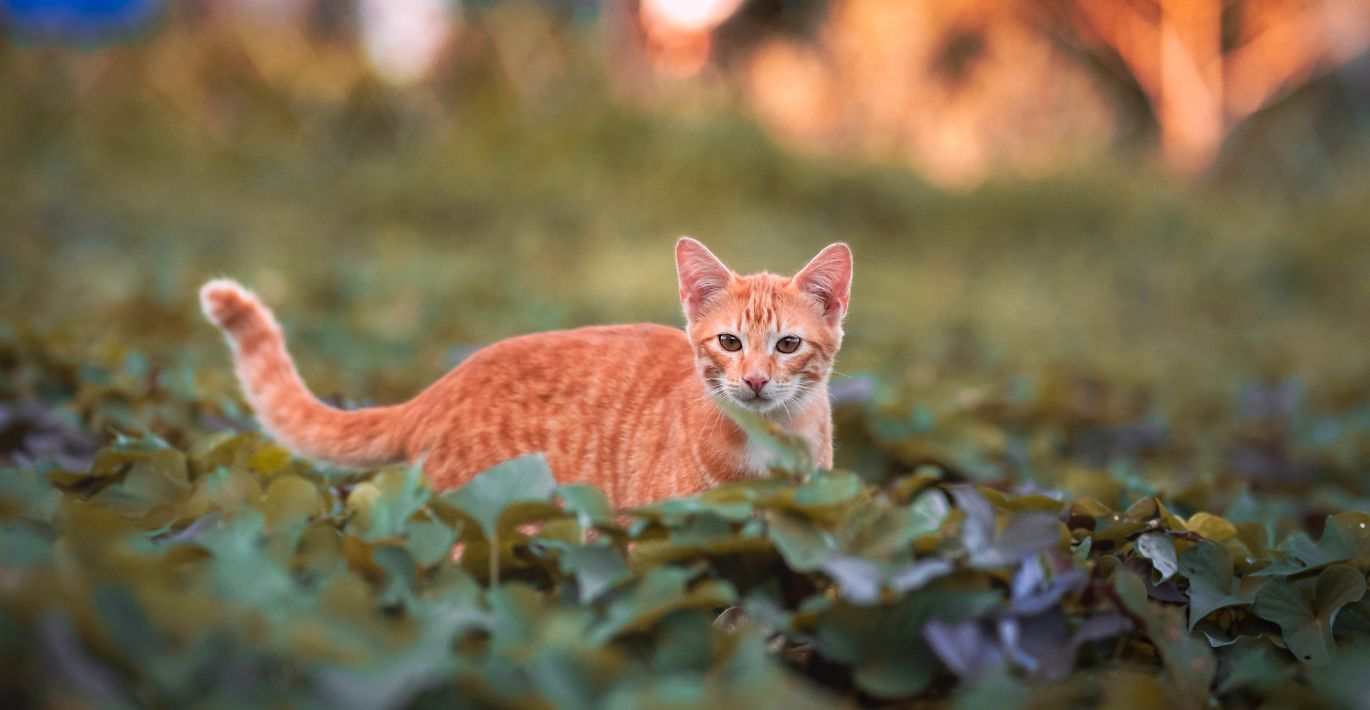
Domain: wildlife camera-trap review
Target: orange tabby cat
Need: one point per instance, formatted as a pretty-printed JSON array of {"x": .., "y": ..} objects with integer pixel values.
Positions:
[{"x": 632, "y": 409}]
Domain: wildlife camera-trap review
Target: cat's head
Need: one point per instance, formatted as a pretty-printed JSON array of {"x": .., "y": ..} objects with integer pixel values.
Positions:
[{"x": 763, "y": 341}]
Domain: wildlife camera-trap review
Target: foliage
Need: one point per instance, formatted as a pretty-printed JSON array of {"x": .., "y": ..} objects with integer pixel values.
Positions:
[
  {"x": 221, "y": 567},
  {"x": 1103, "y": 440}
]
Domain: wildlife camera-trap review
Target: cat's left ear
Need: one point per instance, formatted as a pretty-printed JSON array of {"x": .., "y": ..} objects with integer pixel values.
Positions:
[{"x": 827, "y": 277}]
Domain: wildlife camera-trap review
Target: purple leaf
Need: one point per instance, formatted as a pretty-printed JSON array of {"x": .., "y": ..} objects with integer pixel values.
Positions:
[
  {"x": 858, "y": 578},
  {"x": 964, "y": 647},
  {"x": 1167, "y": 591},
  {"x": 1037, "y": 598},
  {"x": 919, "y": 573}
]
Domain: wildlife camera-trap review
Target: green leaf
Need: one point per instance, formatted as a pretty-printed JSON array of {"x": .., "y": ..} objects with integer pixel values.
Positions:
[
  {"x": 243, "y": 571},
  {"x": 1188, "y": 660},
  {"x": 1353, "y": 625},
  {"x": 588, "y": 504},
  {"x": 401, "y": 572},
  {"x": 26, "y": 494},
  {"x": 883, "y": 532},
  {"x": 897, "y": 675},
  {"x": 1345, "y": 538},
  {"x": 506, "y": 495},
  {"x": 597, "y": 568},
  {"x": 803, "y": 544},
  {"x": 319, "y": 552},
  {"x": 231, "y": 488},
  {"x": 386, "y": 502},
  {"x": 1306, "y": 610},
  {"x": 1253, "y": 665},
  {"x": 662, "y": 591},
  {"x": 676, "y": 511},
  {"x": 125, "y": 620},
  {"x": 23, "y": 546},
  {"x": 145, "y": 481},
  {"x": 702, "y": 530},
  {"x": 290, "y": 500},
  {"x": 430, "y": 541},
  {"x": 1343, "y": 683},
  {"x": 885, "y": 645},
  {"x": 827, "y": 497},
  {"x": 1212, "y": 585},
  {"x": 929, "y": 511}
]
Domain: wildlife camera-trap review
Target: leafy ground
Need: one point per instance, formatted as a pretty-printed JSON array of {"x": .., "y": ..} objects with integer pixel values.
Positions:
[
  {"x": 221, "y": 570},
  {"x": 1103, "y": 438}
]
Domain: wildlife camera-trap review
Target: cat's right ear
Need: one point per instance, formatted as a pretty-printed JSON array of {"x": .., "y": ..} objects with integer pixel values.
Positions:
[{"x": 702, "y": 276}]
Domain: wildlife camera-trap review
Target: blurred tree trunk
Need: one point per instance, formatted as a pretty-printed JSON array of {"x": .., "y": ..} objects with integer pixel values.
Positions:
[{"x": 1207, "y": 65}]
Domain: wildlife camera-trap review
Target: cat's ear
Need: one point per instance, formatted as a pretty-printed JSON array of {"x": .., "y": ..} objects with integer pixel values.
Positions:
[
  {"x": 702, "y": 276},
  {"x": 827, "y": 278}
]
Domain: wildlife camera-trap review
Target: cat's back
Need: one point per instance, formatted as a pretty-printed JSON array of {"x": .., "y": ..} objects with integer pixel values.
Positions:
[
  {"x": 580, "y": 396},
  {"x": 562, "y": 364},
  {"x": 606, "y": 345}
]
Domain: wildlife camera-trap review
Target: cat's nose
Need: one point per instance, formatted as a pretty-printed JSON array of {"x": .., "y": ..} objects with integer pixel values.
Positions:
[{"x": 756, "y": 382}]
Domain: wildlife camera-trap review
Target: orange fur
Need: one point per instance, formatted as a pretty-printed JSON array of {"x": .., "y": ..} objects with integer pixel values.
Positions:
[{"x": 632, "y": 409}]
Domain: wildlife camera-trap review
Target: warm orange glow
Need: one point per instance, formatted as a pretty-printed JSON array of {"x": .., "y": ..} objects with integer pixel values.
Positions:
[
  {"x": 788, "y": 80},
  {"x": 680, "y": 55},
  {"x": 956, "y": 88},
  {"x": 678, "y": 32},
  {"x": 1200, "y": 86},
  {"x": 961, "y": 87}
]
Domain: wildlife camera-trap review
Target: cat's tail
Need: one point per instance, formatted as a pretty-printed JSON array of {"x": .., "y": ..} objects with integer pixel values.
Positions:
[{"x": 283, "y": 404}]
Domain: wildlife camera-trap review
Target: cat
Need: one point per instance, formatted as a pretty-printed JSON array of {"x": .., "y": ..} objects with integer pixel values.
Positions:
[{"x": 632, "y": 409}]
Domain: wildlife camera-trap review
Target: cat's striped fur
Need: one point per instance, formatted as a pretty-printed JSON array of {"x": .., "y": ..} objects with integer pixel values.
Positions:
[{"x": 632, "y": 409}]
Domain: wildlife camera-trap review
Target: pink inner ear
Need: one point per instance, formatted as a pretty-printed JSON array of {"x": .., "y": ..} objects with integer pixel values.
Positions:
[
  {"x": 828, "y": 278},
  {"x": 702, "y": 275}
]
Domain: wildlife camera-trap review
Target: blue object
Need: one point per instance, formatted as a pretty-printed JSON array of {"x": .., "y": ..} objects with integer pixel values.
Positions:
[{"x": 78, "y": 21}]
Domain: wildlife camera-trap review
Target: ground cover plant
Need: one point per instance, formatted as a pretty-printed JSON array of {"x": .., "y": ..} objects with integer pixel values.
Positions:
[
  {"x": 1102, "y": 439},
  {"x": 219, "y": 569}
]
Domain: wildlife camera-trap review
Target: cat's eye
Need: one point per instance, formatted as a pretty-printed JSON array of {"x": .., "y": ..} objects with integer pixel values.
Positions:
[
  {"x": 787, "y": 344},
  {"x": 729, "y": 342}
]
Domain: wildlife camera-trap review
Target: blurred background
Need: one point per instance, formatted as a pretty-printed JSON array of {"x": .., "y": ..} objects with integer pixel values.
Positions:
[{"x": 1133, "y": 231}]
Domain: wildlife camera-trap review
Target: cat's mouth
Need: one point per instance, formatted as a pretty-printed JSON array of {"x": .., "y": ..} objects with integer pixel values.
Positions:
[
  {"x": 743, "y": 397},
  {"x": 757, "y": 402}
]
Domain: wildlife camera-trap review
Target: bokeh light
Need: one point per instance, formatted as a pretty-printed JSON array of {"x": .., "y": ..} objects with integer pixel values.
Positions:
[{"x": 404, "y": 38}]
